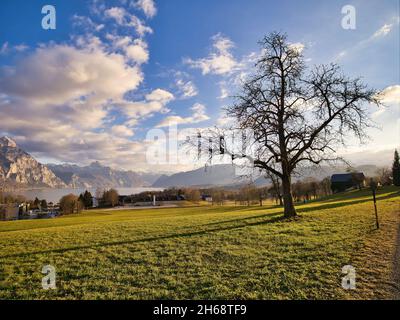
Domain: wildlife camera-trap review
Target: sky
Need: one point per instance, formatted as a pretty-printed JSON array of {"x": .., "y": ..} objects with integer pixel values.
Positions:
[{"x": 106, "y": 84}]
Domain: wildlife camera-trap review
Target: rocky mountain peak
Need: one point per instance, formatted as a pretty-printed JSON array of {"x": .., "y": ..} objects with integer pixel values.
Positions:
[
  {"x": 7, "y": 142},
  {"x": 18, "y": 168}
]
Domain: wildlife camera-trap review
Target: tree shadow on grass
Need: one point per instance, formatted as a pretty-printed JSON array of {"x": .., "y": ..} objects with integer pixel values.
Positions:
[
  {"x": 354, "y": 195},
  {"x": 343, "y": 204},
  {"x": 150, "y": 239},
  {"x": 299, "y": 209},
  {"x": 273, "y": 217}
]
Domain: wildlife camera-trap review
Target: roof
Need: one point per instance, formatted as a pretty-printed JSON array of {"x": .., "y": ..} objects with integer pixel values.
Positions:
[{"x": 344, "y": 177}]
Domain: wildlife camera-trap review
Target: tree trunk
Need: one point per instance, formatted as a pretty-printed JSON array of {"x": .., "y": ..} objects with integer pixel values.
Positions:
[{"x": 289, "y": 209}]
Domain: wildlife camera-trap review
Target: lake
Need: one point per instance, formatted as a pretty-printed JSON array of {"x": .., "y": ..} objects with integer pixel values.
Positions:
[{"x": 54, "y": 195}]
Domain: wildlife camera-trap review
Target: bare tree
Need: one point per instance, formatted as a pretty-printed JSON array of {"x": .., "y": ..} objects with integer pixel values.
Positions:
[
  {"x": 325, "y": 186},
  {"x": 192, "y": 194},
  {"x": 70, "y": 204},
  {"x": 384, "y": 176},
  {"x": 276, "y": 186},
  {"x": 297, "y": 116},
  {"x": 111, "y": 197}
]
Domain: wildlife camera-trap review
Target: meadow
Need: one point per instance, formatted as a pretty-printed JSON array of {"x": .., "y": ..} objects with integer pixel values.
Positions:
[{"x": 208, "y": 252}]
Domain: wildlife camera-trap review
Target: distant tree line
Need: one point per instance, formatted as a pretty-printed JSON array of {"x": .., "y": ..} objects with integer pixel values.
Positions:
[
  {"x": 170, "y": 194},
  {"x": 8, "y": 198},
  {"x": 396, "y": 169},
  {"x": 386, "y": 176}
]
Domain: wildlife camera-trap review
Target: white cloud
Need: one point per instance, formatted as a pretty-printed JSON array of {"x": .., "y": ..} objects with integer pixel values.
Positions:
[
  {"x": 220, "y": 61},
  {"x": 124, "y": 18},
  {"x": 391, "y": 95},
  {"x": 160, "y": 95},
  {"x": 135, "y": 51},
  {"x": 139, "y": 26},
  {"x": 57, "y": 102},
  {"x": 122, "y": 131},
  {"x": 233, "y": 81},
  {"x": 138, "y": 51},
  {"x": 4, "y": 48},
  {"x": 298, "y": 46},
  {"x": 156, "y": 101},
  {"x": 86, "y": 23},
  {"x": 378, "y": 34},
  {"x": 21, "y": 47},
  {"x": 378, "y": 113},
  {"x": 117, "y": 13},
  {"x": 224, "y": 120},
  {"x": 198, "y": 115},
  {"x": 187, "y": 88},
  {"x": 224, "y": 90},
  {"x": 390, "y": 111},
  {"x": 72, "y": 102},
  {"x": 383, "y": 31},
  {"x": 59, "y": 74},
  {"x": 147, "y": 6}
]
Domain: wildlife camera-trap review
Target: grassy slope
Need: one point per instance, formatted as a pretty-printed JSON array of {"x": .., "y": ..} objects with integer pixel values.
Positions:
[{"x": 206, "y": 252}]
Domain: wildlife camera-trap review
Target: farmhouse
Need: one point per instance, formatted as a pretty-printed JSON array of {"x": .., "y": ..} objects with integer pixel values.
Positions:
[{"x": 343, "y": 181}]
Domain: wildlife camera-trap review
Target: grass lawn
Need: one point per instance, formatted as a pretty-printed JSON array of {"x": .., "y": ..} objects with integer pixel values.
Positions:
[{"x": 206, "y": 252}]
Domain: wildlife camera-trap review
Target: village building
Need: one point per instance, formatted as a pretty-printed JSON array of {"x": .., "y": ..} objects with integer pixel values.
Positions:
[{"x": 343, "y": 181}]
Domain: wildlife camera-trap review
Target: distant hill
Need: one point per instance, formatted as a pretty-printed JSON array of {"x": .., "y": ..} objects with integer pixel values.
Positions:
[
  {"x": 96, "y": 175},
  {"x": 227, "y": 175},
  {"x": 217, "y": 175}
]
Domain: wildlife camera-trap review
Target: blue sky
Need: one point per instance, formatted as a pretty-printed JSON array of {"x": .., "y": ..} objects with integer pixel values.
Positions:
[{"x": 112, "y": 70}]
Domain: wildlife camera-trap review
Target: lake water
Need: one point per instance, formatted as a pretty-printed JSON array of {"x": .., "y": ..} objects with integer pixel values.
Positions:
[{"x": 54, "y": 195}]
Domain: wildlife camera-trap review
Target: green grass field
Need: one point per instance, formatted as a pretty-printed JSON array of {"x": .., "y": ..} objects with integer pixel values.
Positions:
[{"x": 206, "y": 252}]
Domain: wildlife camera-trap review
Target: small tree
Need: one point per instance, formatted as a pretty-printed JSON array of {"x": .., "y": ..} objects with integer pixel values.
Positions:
[
  {"x": 249, "y": 194},
  {"x": 384, "y": 176},
  {"x": 218, "y": 196},
  {"x": 111, "y": 197},
  {"x": 325, "y": 186},
  {"x": 36, "y": 203},
  {"x": 192, "y": 195},
  {"x": 87, "y": 199},
  {"x": 276, "y": 186},
  {"x": 70, "y": 204},
  {"x": 43, "y": 204},
  {"x": 396, "y": 169}
]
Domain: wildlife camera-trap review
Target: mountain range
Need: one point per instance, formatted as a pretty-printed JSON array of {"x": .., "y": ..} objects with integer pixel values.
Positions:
[
  {"x": 96, "y": 175},
  {"x": 18, "y": 169},
  {"x": 216, "y": 175},
  {"x": 230, "y": 176}
]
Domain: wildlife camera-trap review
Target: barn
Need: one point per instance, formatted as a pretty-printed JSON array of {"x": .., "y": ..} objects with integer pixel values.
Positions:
[{"x": 343, "y": 181}]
